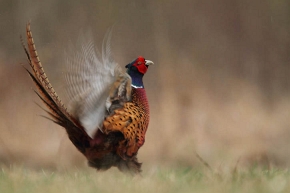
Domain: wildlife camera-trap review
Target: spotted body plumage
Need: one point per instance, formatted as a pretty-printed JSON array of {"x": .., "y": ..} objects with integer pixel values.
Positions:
[
  {"x": 108, "y": 115},
  {"x": 132, "y": 120}
]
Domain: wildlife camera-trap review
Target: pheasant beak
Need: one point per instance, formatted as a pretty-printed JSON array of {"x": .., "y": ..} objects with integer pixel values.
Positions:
[{"x": 148, "y": 62}]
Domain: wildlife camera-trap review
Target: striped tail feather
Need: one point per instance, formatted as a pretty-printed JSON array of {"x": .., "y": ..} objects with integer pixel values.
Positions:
[
  {"x": 40, "y": 76},
  {"x": 56, "y": 109}
]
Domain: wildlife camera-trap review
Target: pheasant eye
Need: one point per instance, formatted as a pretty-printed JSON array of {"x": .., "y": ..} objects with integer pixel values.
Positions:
[{"x": 139, "y": 63}]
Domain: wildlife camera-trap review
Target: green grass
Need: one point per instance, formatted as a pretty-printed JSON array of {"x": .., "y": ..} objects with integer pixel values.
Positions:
[{"x": 22, "y": 180}]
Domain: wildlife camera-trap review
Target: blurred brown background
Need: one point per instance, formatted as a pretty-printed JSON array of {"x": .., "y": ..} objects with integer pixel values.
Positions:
[{"x": 220, "y": 86}]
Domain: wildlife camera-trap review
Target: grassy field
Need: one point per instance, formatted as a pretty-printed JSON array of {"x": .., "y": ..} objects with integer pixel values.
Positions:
[{"x": 22, "y": 180}]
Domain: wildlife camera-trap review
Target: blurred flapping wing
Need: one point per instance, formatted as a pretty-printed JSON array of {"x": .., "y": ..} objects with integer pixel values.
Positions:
[{"x": 90, "y": 78}]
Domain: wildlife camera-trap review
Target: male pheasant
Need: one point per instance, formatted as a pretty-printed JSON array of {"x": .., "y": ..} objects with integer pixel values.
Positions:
[{"x": 108, "y": 112}]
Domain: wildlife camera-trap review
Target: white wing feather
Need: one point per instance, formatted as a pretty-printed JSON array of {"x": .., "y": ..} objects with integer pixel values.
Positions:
[{"x": 89, "y": 78}]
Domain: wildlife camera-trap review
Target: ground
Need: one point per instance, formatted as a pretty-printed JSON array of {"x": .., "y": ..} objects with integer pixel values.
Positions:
[{"x": 18, "y": 179}]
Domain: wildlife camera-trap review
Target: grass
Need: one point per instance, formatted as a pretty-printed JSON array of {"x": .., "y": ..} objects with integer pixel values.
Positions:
[{"x": 22, "y": 180}]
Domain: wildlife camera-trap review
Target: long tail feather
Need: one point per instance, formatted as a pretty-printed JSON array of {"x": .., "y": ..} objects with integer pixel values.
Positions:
[
  {"x": 56, "y": 109},
  {"x": 40, "y": 76}
]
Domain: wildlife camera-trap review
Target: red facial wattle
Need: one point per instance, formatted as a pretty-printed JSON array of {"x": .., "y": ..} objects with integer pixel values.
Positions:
[
  {"x": 141, "y": 67},
  {"x": 140, "y": 64}
]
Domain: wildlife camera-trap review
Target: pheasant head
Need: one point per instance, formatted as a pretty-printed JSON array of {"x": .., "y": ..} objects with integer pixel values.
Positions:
[{"x": 137, "y": 69}]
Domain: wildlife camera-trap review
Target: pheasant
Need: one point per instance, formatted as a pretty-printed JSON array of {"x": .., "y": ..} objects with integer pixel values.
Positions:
[{"x": 108, "y": 112}]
